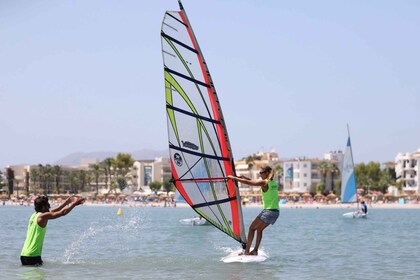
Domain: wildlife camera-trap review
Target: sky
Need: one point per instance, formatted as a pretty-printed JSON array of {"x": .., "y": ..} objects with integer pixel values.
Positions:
[{"x": 87, "y": 76}]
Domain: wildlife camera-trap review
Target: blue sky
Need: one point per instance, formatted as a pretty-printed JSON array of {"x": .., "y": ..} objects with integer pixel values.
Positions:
[{"x": 86, "y": 76}]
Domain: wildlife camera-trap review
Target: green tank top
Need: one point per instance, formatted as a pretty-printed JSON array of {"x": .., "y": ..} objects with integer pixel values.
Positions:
[
  {"x": 270, "y": 198},
  {"x": 34, "y": 238}
]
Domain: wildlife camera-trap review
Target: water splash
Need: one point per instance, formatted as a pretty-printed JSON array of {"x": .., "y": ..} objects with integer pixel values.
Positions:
[{"x": 107, "y": 234}]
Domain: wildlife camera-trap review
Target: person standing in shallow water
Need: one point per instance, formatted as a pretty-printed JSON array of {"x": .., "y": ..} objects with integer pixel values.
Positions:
[
  {"x": 37, "y": 227},
  {"x": 270, "y": 213}
]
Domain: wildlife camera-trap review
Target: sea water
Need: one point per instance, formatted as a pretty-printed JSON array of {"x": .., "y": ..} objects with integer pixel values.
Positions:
[{"x": 93, "y": 242}]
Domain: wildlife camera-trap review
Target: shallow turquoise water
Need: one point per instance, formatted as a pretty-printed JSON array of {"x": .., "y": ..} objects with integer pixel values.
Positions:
[{"x": 150, "y": 243}]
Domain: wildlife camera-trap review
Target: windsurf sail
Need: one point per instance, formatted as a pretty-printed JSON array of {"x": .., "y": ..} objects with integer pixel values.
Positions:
[
  {"x": 348, "y": 177},
  {"x": 200, "y": 153}
]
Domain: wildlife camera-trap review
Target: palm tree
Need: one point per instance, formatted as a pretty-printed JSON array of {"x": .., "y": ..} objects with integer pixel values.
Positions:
[
  {"x": 323, "y": 169},
  {"x": 57, "y": 173},
  {"x": 44, "y": 177},
  {"x": 48, "y": 177},
  {"x": 168, "y": 186},
  {"x": 72, "y": 179},
  {"x": 17, "y": 182},
  {"x": 82, "y": 177},
  {"x": 155, "y": 185},
  {"x": 106, "y": 166},
  {"x": 250, "y": 162},
  {"x": 279, "y": 171},
  {"x": 96, "y": 172},
  {"x": 34, "y": 177},
  {"x": 2, "y": 183},
  {"x": 334, "y": 170}
]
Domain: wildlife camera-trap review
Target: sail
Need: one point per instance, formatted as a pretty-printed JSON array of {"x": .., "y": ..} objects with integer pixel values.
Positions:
[
  {"x": 348, "y": 177},
  {"x": 200, "y": 153}
]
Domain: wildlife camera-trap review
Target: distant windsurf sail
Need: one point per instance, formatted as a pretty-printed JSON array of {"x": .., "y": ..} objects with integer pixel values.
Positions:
[
  {"x": 200, "y": 153},
  {"x": 348, "y": 177}
]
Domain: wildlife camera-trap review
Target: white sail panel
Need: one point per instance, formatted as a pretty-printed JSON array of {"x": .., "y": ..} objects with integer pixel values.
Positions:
[{"x": 348, "y": 178}]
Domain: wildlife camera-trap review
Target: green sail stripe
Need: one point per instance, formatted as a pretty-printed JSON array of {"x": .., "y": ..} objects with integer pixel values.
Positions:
[{"x": 170, "y": 113}]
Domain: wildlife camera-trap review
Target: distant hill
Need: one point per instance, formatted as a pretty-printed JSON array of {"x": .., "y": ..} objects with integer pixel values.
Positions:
[{"x": 76, "y": 158}]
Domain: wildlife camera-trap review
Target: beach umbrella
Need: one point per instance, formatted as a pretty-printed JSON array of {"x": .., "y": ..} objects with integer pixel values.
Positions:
[
  {"x": 331, "y": 196},
  {"x": 389, "y": 196},
  {"x": 306, "y": 195}
]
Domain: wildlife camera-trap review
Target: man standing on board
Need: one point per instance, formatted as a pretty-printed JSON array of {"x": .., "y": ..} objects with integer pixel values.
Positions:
[
  {"x": 37, "y": 227},
  {"x": 270, "y": 213}
]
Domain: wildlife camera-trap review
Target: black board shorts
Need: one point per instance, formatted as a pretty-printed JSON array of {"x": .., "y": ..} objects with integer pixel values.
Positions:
[{"x": 31, "y": 260}]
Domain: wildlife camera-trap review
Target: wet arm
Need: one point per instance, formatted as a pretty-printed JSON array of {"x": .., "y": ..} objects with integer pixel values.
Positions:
[
  {"x": 60, "y": 207},
  {"x": 44, "y": 217}
]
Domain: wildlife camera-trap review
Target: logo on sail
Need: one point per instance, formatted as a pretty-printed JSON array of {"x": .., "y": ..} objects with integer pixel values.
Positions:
[
  {"x": 178, "y": 159},
  {"x": 189, "y": 145}
]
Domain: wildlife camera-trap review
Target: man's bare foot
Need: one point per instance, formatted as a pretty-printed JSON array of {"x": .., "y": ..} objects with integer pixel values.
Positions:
[{"x": 244, "y": 253}]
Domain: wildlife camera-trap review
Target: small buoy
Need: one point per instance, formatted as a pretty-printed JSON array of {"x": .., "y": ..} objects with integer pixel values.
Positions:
[{"x": 119, "y": 212}]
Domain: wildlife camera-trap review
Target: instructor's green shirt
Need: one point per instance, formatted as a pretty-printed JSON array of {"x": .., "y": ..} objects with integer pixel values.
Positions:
[{"x": 34, "y": 238}]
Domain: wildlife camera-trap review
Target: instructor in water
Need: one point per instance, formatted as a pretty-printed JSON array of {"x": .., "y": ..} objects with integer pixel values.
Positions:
[
  {"x": 270, "y": 213},
  {"x": 32, "y": 249}
]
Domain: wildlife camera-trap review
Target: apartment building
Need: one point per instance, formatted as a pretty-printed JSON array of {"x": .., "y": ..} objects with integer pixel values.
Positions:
[
  {"x": 146, "y": 171},
  {"x": 407, "y": 170},
  {"x": 302, "y": 174}
]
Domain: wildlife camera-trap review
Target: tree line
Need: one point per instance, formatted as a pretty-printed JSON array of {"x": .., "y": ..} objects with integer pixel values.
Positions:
[{"x": 369, "y": 177}]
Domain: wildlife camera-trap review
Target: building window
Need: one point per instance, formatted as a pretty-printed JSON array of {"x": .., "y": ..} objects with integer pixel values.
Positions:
[{"x": 147, "y": 175}]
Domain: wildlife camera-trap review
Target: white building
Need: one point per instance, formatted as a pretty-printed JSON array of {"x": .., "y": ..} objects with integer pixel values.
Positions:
[
  {"x": 146, "y": 171},
  {"x": 337, "y": 156},
  {"x": 300, "y": 175},
  {"x": 407, "y": 170}
]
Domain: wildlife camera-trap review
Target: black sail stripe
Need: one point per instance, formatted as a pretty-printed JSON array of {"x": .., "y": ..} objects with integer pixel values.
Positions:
[
  {"x": 176, "y": 19},
  {"x": 171, "y": 146},
  {"x": 178, "y": 42},
  {"x": 204, "y": 204},
  {"x": 192, "y": 114},
  {"x": 186, "y": 77}
]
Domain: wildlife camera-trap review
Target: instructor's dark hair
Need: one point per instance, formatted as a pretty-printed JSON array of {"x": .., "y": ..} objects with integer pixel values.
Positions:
[{"x": 39, "y": 202}]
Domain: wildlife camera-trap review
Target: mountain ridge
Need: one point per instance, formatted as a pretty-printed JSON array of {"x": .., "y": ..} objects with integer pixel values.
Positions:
[{"x": 76, "y": 158}]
